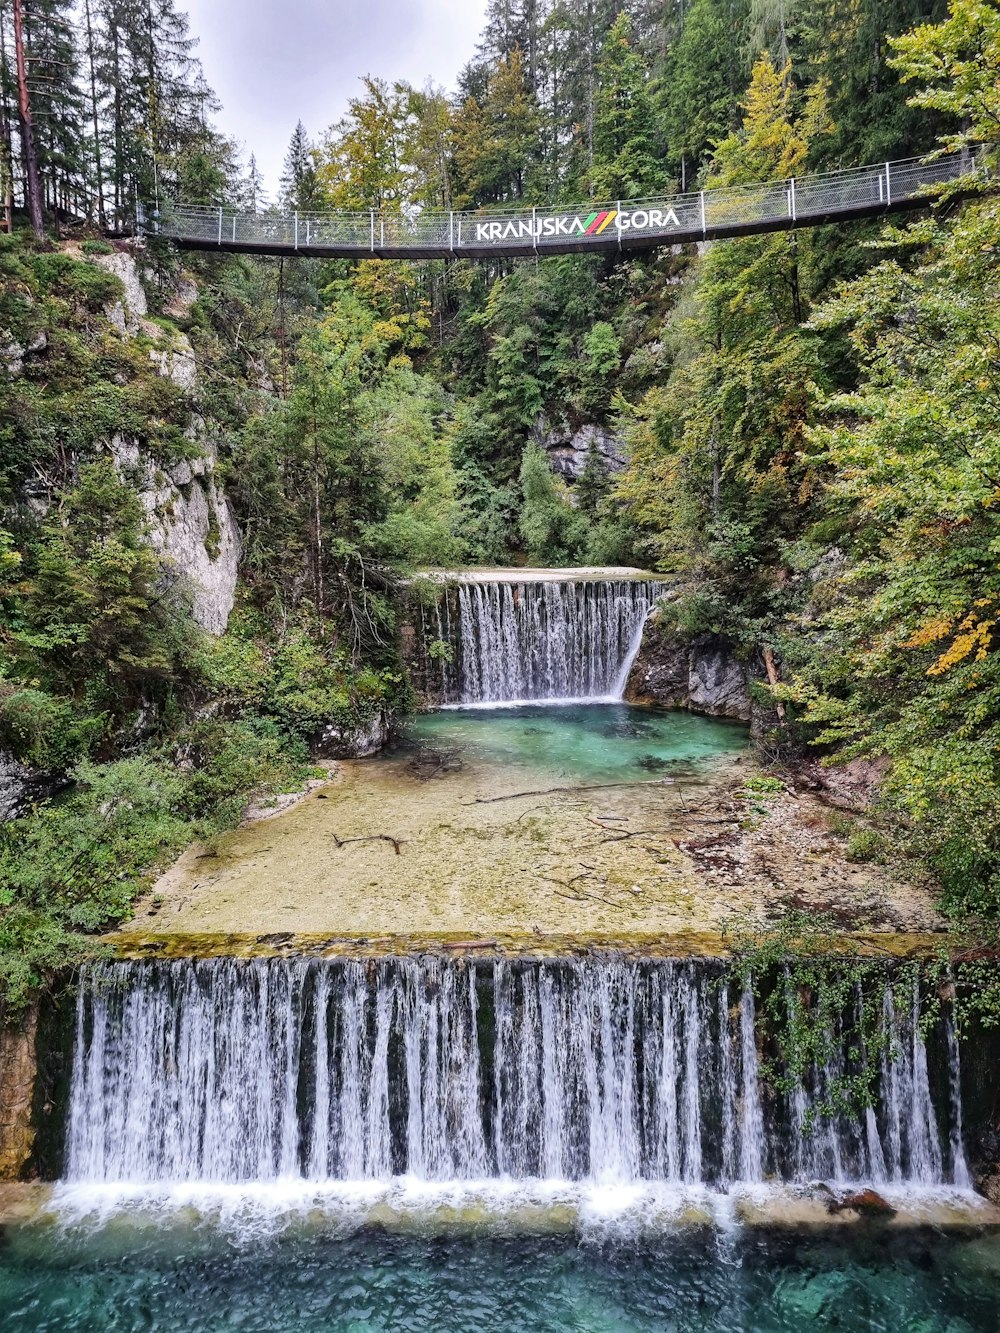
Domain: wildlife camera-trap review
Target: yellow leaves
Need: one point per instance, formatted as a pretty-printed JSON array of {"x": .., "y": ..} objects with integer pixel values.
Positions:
[
  {"x": 772, "y": 143},
  {"x": 930, "y": 632},
  {"x": 973, "y": 636}
]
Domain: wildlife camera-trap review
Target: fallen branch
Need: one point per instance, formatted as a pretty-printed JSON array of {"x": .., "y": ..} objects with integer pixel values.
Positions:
[
  {"x": 550, "y": 791},
  {"x": 372, "y": 837}
]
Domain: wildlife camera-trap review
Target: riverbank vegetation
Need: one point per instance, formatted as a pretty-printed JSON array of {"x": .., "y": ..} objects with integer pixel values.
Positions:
[{"x": 799, "y": 430}]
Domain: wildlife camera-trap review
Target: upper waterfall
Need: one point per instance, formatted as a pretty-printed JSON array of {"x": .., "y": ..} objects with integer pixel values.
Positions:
[{"x": 515, "y": 640}]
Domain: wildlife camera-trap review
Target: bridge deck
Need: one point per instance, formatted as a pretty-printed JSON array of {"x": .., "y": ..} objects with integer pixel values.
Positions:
[{"x": 808, "y": 201}]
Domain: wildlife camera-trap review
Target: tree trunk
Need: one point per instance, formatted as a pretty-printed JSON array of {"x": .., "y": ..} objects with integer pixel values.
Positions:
[
  {"x": 6, "y": 143},
  {"x": 772, "y": 677},
  {"x": 33, "y": 189},
  {"x": 98, "y": 168}
]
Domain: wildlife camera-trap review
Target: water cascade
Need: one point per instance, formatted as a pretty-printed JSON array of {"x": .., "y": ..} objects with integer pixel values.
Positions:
[
  {"x": 512, "y": 642},
  {"x": 604, "y": 1071}
]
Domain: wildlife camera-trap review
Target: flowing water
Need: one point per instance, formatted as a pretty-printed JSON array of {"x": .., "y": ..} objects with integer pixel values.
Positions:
[
  {"x": 423, "y": 1143},
  {"x": 605, "y": 1073},
  {"x": 288, "y": 1146},
  {"x": 554, "y": 640}
]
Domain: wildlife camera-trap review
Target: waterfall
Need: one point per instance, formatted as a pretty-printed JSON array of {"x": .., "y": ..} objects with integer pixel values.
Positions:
[
  {"x": 512, "y": 642},
  {"x": 232, "y": 1070}
]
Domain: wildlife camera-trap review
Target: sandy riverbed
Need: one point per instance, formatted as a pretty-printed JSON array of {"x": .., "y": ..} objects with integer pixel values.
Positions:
[{"x": 379, "y": 853}]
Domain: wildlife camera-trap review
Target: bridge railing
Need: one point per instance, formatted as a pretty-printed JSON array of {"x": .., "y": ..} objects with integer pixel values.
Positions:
[{"x": 719, "y": 211}]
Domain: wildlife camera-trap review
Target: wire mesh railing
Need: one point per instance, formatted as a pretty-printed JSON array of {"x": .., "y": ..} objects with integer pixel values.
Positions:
[{"x": 504, "y": 230}]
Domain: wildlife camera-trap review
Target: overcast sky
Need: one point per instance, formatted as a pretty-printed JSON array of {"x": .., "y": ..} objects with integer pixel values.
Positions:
[{"x": 273, "y": 62}]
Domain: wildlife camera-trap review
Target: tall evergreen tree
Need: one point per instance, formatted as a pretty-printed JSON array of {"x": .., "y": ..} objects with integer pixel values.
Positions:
[
  {"x": 58, "y": 102},
  {"x": 702, "y": 82},
  {"x": 299, "y": 188},
  {"x": 626, "y": 164},
  {"x": 33, "y": 187}
]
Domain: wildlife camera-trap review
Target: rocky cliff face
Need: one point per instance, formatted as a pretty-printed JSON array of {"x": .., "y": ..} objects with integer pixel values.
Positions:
[
  {"x": 21, "y": 786},
  {"x": 191, "y": 521},
  {"x": 569, "y": 448},
  {"x": 17, "y": 1088},
  {"x": 192, "y": 525},
  {"x": 701, "y": 673}
]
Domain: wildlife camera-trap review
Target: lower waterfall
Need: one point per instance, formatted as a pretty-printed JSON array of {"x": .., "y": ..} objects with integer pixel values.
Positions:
[
  {"x": 512, "y": 642},
  {"x": 603, "y": 1071}
]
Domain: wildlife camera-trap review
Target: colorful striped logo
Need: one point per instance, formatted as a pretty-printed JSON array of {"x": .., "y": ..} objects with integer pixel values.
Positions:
[{"x": 596, "y": 223}]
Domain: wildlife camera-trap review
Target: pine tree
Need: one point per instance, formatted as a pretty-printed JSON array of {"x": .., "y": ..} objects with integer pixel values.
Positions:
[
  {"x": 254, "y": 194},
  {"x": 626, "y": 164},
  {"x": 58, "y": 104},
  {"x": 299, "y": 187},
  {"x": 8, "y": 100},
  {"x": 702, "y": 82},
  {"x": 33, "y": 187}
]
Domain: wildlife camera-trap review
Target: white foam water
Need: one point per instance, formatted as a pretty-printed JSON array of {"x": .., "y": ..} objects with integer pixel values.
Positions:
[
  {"x": 556, "y": 640},
  {"x": 610, "y": 1073}
]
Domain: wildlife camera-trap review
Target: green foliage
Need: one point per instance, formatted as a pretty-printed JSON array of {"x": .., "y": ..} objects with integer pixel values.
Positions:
[
  {"x": 719, "y": 475},
  {"x": 90, "y": 617},
  {"x": 908, "y": 668},
  {"x": 296, "y": 680},
  {"x": 554, "y": 533},
  {"x": 43, "y": 730},
  {"x": 957, "y": 62},
  {"x": 80, "y": 384},
  {"x": 33, "y": 947},
  {"x": 75, "y": 865},
  {"x": 818, "y": 995},
  {"x": 703, "y": 81},
  {"x": 626, "y": 164}
]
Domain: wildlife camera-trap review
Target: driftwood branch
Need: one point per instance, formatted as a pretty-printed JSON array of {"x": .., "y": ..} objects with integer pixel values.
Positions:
[
  {"x": 549, "y": 791},
  {"x": 372, "y": 837}
]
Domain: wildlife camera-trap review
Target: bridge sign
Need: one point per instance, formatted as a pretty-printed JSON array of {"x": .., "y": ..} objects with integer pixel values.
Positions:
[{"x": 566, "y": 224}]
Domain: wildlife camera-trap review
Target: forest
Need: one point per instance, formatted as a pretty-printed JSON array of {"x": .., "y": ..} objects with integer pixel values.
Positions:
[{"x": 805, "y": 427}]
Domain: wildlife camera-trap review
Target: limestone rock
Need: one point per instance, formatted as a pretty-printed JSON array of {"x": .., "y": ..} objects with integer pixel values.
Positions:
[
  {"x": 198, "y": 532},
  {"x": 852, "y": 786},
  {"x": 177, "y": 362},
  {"x": 718, "y": 684},
  {"x": 569, "y": 449},
  {"x": 335, "y": 741},
  {"x": 17, "y": 1088},
  {"x": 125, "y": 315},
  {"x": 191, "y": 521},
  {"x": 702, "y": 674},
  {"x": 12, "y": 353}
]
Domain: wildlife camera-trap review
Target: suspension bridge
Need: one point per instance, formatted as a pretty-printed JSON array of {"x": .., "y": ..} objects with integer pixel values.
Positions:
[{"x": 644, "y": 224}]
